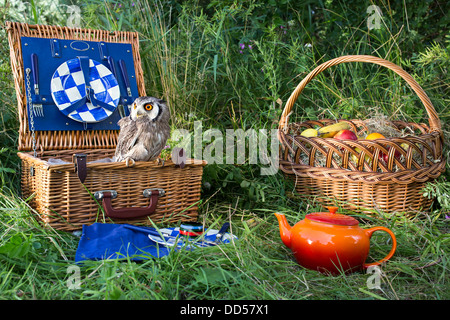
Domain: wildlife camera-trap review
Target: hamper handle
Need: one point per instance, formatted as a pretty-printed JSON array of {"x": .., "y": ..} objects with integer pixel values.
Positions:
[
  {"x": 132, "y": 212},
  {"x": 435, "y": 123}
]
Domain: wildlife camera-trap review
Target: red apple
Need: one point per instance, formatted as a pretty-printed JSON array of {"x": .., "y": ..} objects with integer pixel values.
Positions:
[
  {"x": 345, "y": 135},
  {"x": 385, "y": 157}
]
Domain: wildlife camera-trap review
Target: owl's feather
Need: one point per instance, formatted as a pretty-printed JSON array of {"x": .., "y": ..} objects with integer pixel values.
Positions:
[{"x": 144, "y": 138}]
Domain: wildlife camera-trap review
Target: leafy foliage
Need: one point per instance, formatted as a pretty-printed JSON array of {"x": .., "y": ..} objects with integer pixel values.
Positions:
[{"x": 233, "y": 64}]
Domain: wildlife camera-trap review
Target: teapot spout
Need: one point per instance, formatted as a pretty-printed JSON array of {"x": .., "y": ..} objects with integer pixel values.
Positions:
[{"x": 285, "y": 229}]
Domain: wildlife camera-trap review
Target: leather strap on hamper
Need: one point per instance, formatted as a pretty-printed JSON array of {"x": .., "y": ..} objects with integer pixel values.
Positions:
[
  {"x": 132, "y": 212},
  {"x": 79, "y": 160}
]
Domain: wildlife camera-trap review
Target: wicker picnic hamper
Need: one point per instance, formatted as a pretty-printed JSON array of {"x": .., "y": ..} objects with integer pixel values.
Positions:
[
  {"x": 64, "y": 175},
  {"x": 353, "y": 174}
]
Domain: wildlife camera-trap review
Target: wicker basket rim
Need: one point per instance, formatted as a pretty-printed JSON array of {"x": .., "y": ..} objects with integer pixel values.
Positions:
[{"x": 28, "y": 156}]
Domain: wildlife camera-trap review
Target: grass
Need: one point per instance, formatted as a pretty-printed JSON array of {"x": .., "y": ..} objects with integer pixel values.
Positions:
[
  {"x": 191, "y": 57},
  {"x": 257, "y": 266}
]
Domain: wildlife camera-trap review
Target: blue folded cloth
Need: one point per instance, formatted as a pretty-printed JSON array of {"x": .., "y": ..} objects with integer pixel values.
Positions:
[{"x": 115, "y": 241}]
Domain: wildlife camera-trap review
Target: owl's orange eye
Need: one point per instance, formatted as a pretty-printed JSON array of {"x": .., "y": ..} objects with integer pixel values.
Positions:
[
  {"x": 134, "y": 106},
  {"x": 148, "y": 107}
]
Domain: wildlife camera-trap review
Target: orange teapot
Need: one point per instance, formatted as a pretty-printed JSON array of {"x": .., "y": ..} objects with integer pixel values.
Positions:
[{"x": 331, "y": 242}]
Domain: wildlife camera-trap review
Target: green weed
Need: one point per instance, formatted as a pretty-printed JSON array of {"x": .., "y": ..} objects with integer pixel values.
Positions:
[{"x": 233, "y": 65}]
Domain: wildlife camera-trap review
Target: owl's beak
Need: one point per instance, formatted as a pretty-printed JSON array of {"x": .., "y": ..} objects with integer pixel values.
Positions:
[{"x": 139, "y": 114}]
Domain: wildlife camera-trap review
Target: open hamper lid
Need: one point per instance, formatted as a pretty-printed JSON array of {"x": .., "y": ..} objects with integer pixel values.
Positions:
[{"x": 73, "y": 84}]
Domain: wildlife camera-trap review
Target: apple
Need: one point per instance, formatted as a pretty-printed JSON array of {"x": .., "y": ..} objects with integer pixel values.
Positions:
[
  {"x": 385, "y": 157},
  {"x": 345, "y": 135}
]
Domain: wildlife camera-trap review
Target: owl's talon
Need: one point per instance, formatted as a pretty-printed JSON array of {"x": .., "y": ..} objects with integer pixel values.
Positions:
[
  {"x": 160, "y": 162},
  {"x": 127, "y": 162}
]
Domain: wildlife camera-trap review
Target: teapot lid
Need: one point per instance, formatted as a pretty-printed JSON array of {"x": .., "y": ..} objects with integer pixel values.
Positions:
[{"x": 332, "y": 218}]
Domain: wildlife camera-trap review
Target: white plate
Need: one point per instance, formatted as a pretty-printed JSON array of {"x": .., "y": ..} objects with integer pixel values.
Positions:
[{"x": 68, "y": 86}]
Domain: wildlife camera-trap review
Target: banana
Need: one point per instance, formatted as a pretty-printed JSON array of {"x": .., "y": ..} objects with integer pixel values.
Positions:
[
  {"x": 332, "y": 129},
  {"x": 309, "y": 133}
]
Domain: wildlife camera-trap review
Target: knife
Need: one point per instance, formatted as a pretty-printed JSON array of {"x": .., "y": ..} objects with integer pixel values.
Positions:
[
  {"x": 124, "y": 72},
  {"x": 112, "y": 67}
]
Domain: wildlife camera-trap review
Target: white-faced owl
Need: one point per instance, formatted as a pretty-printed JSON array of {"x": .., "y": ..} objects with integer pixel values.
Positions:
[{"x": 144, "y": 133}]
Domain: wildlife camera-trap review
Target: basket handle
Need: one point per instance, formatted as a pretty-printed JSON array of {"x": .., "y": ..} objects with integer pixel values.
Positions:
[
  {"x": 132, "y": 212},
  {"x": 435, "y": 123}
]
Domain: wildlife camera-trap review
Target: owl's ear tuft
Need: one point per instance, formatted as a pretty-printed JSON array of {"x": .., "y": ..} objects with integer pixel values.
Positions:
[{"x": 161, "y": 102}]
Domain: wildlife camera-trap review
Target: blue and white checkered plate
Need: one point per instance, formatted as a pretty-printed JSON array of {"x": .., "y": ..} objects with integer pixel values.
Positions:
[
  {"x": 170, "y": 237},
  {"x": 68, "y": 87}
]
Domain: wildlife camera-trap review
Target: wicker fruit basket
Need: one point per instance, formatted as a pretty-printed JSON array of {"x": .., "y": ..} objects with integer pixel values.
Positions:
[
  {"x": 363, "y": 175},
  {"x": 64, "y": 175}
]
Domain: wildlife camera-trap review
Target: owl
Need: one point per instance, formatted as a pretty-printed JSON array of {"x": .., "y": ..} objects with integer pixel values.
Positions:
[{"x": 143, "y": 134}]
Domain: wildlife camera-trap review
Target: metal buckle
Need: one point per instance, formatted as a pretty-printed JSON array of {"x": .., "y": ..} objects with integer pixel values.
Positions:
[
  {"x": 100, "y": 194},
  {"x": 148, "y": 192},
  {"x": 88, "y": 93}
]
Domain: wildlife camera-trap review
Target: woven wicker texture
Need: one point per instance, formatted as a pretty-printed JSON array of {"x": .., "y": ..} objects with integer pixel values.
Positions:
[
  {"x": 55, "y": 191},
  {"x": 62, "y": 140},
  {"x": 65, "y": 204},
  {"x": 383, "y": 174}
]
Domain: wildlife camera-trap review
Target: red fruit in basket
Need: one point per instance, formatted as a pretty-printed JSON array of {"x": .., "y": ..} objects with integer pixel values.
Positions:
[
  {"x": 345, "y": 135},
  {"x": 385, "y": 157}
]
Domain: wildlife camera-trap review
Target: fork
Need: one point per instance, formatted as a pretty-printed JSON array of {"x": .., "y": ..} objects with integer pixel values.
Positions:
[{"x": 38, "y": 110}]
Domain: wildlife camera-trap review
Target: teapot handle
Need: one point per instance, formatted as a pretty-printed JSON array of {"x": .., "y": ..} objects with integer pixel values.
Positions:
[{"x": 369, "y": 232}]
